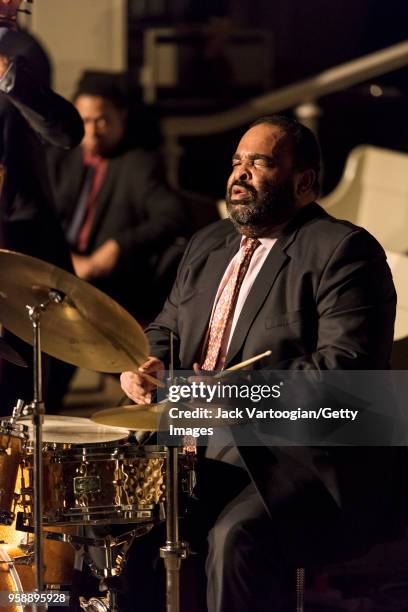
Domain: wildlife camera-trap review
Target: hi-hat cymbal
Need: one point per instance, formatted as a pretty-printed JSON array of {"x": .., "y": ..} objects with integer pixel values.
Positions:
[
  {"x": 145, "y": 417},
  {"x": 74, "y": 430},
  {"x": 155, "y": 417},
  {"x": 9, "y": 354},
  {"x": 87, "y": 329}
]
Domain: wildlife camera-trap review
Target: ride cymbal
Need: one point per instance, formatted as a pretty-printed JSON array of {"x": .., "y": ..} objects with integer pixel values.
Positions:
[{"x": 86, "y": 328}]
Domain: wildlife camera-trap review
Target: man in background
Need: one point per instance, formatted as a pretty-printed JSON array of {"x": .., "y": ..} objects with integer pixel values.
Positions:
[{"x": 117, "y": 211}]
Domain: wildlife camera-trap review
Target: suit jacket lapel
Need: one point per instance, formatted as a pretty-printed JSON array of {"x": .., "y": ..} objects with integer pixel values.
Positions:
[
  {"x": 266, "y": 278},
  {"x": 203, "y": 300}
]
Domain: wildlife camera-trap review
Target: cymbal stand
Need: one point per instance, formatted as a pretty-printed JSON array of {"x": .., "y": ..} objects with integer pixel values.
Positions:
[
  {"x": 37, "y": 411},
  {"x": 174, "y": 550}
]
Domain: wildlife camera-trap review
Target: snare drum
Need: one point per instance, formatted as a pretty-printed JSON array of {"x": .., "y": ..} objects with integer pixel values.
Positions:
[
  {"x": 92, "y": 486},
  {"x": 12, "y": 439},
  {"x": 93, "y": 476}
]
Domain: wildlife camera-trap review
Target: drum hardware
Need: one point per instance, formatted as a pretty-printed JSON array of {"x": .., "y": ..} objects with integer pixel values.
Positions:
[
  {"x": 174, "y": 549},
  {"x": 107, "y": 603},
  {"x": 115, "y": 551},
  {"x": 37, "y": 410}
]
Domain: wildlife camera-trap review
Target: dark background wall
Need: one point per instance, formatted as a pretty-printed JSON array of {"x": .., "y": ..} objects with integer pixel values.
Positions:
[{"x": 309, "y": 36}]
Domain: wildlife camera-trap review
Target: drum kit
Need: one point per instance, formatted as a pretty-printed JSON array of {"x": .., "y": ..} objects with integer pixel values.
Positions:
[{"x": 60, "y": 475}]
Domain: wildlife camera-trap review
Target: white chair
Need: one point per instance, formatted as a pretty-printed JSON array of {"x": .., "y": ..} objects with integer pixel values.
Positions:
[
  {"x": 399, "y": 268},
  {"x": 373, "y": 193}
]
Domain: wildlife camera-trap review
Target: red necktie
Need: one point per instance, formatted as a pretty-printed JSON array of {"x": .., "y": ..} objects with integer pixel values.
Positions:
[{"x": 225, "y": 306}]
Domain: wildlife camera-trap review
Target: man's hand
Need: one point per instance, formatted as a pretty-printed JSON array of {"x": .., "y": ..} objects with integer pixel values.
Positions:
[
  {"x": 82, "y": 265},
  {"x": 99, "y": 264},
  {"x": 105, "y": 258},
  {"x": 4, "y": 65},
  {"x": 135, "y": 385}
]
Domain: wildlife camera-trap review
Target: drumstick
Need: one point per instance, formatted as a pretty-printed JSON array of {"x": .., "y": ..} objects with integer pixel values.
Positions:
[
  {"x": 152, "y": 379},
  {"x": 237, "y": 366},
  {"x": 243, "y": 364}
]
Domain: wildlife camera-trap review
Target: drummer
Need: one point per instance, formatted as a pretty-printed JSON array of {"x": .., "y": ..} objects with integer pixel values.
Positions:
[{"x": 281, "y": 273}]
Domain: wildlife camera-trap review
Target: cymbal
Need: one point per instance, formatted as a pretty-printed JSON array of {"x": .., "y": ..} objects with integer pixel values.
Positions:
[
  {"x": 74, "y": 430},
  {"x": 155, "y": 417},
  {"x": 9, "y": 354},
  {"x": 87, "y": 329},
  {"x": 145, "y": 417}
]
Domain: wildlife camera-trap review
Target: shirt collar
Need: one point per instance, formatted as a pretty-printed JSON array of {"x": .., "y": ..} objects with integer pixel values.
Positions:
[{"x": 265, "y": 242}]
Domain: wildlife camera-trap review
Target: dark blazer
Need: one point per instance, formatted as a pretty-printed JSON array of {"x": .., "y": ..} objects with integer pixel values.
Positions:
[
  {"x": 134, "y": 206},
  {"x": 324, "y": 299},
  {"x": 31, "y": 114}
]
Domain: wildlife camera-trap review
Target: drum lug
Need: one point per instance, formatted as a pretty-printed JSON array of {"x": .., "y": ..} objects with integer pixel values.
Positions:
[{"x": 162, "y": 511}]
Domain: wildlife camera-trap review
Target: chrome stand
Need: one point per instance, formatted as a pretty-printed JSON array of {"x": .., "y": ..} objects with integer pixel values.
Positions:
[
  {"x": 174, "y": 551},
  {"x": 37, "y": 410},
  {"x": 108, "y": 603}
]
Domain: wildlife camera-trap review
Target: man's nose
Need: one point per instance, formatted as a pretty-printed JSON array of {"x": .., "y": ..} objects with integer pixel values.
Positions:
[
  {"x": 89, "y": 130},
  {"x": 242, "y": 172}
]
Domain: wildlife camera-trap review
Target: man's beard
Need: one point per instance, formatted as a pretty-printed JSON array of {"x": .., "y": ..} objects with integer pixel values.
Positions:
[{"x": 264, "y": 210}]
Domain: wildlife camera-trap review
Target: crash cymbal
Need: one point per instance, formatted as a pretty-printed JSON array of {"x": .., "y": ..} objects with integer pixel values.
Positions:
[
  {"x": 9, "y": 354},
  {"x": 87, "y": 329}
]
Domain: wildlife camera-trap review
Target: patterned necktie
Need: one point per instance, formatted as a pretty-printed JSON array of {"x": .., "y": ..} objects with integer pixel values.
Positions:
[{"x": 225, "y": 306}]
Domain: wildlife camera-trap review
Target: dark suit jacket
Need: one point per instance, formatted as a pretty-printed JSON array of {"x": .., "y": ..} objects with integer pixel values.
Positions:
[
  {"x": 29, "y": 114},
  {"x": 324, "y": 299},
  {"x": 134, "y": 206}
]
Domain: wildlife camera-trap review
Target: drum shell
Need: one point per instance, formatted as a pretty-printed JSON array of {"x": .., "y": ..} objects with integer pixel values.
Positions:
[
  {"x": 92, "y": 485},
  {"x": 58, "y": 560},
  {"x": 12, "y": 439}
]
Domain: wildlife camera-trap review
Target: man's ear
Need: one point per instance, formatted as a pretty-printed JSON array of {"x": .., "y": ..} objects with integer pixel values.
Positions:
[{"x": 304, "y": 183}]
